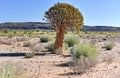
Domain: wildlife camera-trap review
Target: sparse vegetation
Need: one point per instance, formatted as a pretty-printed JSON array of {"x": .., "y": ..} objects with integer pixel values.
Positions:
[
  {"x": 84, "y": 49},
  {"x": 29, "y": 55},
  {"x": 109, "y": 46},
  {"x": 36, "y": 33},
  {"x": 25, "y": 38},
  {"x": 82, "y": 64},
  {"x": 10, "y": 70},
  {"x": 84, "y": 57},
  {"x": 45, "y": 38},
  {"x": 71, "y": 41},
  {"x": 50, "y": 46}
]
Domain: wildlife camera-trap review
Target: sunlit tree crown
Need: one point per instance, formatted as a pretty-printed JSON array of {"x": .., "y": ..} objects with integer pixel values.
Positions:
[{"x": 65, "y": 16}]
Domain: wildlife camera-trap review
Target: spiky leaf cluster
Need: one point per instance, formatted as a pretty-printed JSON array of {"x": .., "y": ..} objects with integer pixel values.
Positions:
[{"x": 65, "y": 16}]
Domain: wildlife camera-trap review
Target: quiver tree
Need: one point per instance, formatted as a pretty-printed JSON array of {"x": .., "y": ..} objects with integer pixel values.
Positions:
[{"x": 62, "y": 17}]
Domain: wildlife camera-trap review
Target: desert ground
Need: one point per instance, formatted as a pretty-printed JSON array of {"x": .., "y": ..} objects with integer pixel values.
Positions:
[{"x": 47, "y": 65}]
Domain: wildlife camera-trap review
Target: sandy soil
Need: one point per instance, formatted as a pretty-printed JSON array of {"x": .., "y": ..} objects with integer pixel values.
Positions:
[{"x": 56, "y": 66}]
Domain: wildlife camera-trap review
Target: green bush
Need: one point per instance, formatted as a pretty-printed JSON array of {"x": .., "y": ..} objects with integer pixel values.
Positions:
[
  {"x": 109, "y": 46},
  {"x": 71, "y": 41},
  {"x": 50, "y": 46},
  {"x": 45, "y": 38},
  {"x": 25, "y": 38},
  {"x": 84, "y": 49},
  {"x": 83, "y": 57},
  {"x": 29, "y": 55}
]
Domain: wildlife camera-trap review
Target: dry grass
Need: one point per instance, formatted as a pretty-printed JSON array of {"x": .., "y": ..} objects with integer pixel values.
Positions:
[
  {"x": 11, "y": 70},
  {"x": 82, "y": 64}
]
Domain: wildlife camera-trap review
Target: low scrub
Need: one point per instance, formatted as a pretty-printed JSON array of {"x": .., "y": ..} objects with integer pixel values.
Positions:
[
  {"x": 84, "y": 49},
  {"x": 45, "y": 38},
  {"x": 11, "y": 70},
  {"x": 29, "y": 55},
  {"x": 109, "y": 46},
  {"x": 71, "y": 41},
  {"x": 84, "y": 57},
  {"x": 25, "y": 38},
  {"x": 50, "y": 46},
  {"x": 82, "y": 64}
]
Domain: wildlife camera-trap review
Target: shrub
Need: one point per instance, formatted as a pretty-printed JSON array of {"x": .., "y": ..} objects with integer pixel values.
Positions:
[
  {"x": 109, "y": 46},
  {"x": 50, "y": 46},
  {"x": 83, "y": 57},
  {"x": 71, "y": 41},
  {"x": 11, "y": 70},
  {"x": 45, "y": 38},
  {"x": 82, "y": 64},
  {"x": 25, "y": 38},
  {"x": 84, "y": 49},
  {"x": 29, "y": 55}
]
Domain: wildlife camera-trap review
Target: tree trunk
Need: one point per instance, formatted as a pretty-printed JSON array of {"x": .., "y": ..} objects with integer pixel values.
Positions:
[{"x": 59, "y": 40}]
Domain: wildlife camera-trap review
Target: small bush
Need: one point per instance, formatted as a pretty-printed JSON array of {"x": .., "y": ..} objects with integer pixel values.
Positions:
[
  {"x": 25, "y": 38},
  {"x": 82, "y": 64},
  {"x": 45, "y": 38},
  {"x": 109, "y": 46},
  {"x": 50, "y": 46},
  {"x": 83, "y": 57},
  {"x": 71, "y": 41},
  {"x": 29, "y": 55},
  {"x": 11, "y": 70},
  {"x": 83, "y": 49}
]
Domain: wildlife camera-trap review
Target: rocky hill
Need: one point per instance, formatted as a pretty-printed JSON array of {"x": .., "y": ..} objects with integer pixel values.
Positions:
[
  {"x": 47, "y": 26},
  {"x": 100, "y": 28}
]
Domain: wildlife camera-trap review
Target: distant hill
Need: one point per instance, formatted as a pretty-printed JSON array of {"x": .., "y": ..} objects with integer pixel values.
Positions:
[
  {"x": 25, "y": 25},
  {"x": 100, "y": 28},
  {"x": 47, "y": 26}
]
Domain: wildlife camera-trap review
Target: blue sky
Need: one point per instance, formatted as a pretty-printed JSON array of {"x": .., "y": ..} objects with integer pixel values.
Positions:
[{"x": 95, "y": 12}]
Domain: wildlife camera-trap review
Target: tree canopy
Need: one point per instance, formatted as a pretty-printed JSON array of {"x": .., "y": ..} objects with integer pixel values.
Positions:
[{"x": 65, "y": 16}]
